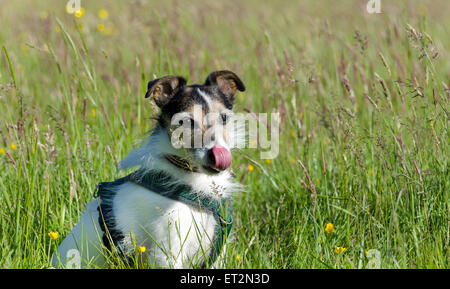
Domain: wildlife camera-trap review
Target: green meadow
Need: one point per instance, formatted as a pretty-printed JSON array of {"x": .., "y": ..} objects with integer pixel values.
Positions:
[{"x": 362, "y": 177}]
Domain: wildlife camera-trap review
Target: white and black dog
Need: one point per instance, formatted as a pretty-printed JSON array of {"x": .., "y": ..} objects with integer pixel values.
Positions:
[{"x": 176, "y": 205}]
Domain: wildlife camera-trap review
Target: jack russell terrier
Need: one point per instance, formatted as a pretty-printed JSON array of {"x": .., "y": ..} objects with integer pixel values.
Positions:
[{"x": 176, "y": 204}]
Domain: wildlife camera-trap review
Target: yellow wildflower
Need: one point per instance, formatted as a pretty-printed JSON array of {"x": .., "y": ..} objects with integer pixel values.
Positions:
[
  {"x": 292, "y": 133},
  {"x": 57, "y": 28},
  {"x": 141, "y": 249},
  {"x": 43, "y": 15},
  {"x": 103, "y": 14},
  {"x": 100, "y": 27},
  {"x": 108, "y": 29},
  {"x": 53, "y": 235},
  {"x": 93, "y": 112},
  {"x": 339, "y": 250},
  {"x": 329, "y": 228},
  {"x": 269, "y": 161},
  {"x": 2, "y": 151},
  {"x": 13, "y": 146},
  {"x": 79, "y": 13},
  {"x": 238, "y": 257},
  {"x": 250, "y": 168}
]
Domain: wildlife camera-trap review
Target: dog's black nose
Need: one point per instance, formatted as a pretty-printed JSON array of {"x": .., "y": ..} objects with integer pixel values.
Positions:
[{"x": 210, "y": 159}]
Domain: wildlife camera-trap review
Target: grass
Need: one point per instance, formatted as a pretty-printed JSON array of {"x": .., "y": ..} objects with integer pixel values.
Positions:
[{"x": 363, "y": 99}]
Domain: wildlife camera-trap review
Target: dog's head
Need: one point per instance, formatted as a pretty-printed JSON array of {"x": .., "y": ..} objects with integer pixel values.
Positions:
[{"x": 197, "y": 118}]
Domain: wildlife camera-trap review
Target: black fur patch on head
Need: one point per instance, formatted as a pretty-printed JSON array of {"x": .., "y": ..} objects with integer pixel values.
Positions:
[
  {"x": 189, "y": 96},
  {"x": 220, "y": 86}
]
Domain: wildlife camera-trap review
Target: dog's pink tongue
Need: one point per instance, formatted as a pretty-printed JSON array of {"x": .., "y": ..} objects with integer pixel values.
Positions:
[{"x": 222, "y": 157}]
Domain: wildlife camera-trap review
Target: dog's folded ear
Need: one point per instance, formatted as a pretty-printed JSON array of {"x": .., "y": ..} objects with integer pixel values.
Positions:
[
  {"x": 164, "y": 88},
  {"x": 227, "y": 81}
]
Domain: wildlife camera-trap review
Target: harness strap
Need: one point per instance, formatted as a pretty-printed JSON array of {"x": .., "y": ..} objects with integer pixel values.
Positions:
[{"x": 157, "y": 182}]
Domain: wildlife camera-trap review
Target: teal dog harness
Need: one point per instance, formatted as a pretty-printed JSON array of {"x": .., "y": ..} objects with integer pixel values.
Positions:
[{"x": 157, "y": 181}]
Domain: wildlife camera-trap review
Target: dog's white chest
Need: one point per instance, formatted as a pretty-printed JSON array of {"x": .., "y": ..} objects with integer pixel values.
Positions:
[{"x": 174, "y": 234}]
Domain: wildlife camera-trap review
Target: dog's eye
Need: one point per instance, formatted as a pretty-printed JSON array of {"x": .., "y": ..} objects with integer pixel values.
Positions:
[{"x": 224, "y": 118}]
